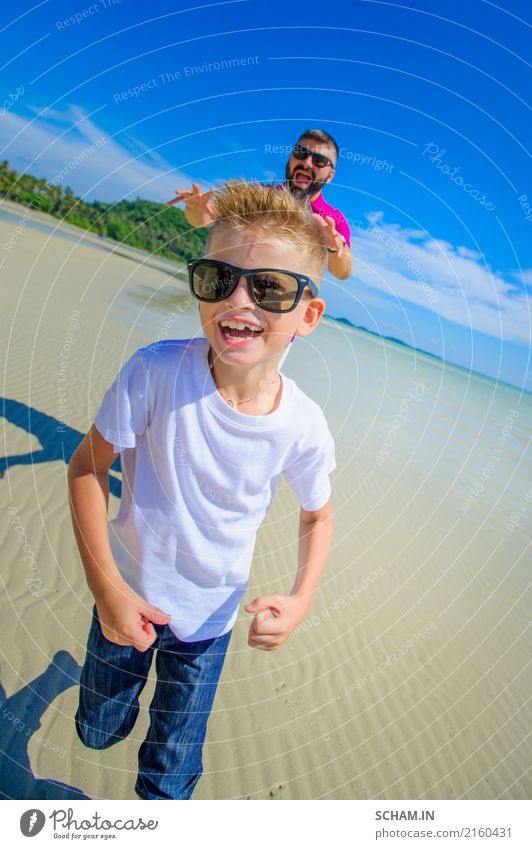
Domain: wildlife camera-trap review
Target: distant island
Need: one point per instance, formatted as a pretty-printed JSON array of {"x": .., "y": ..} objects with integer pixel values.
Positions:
[
  {"x": 388, "y": 338},
  {"x": 143, "y": 224}
]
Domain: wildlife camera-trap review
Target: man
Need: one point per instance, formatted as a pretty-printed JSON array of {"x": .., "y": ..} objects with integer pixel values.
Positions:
[{"x": 311, "y": 166}]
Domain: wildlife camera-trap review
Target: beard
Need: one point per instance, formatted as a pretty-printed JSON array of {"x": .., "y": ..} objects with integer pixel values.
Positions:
[{"x": 298, "y": 191}]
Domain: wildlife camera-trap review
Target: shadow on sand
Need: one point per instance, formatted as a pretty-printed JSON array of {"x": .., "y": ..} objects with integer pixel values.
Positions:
[
  {"x": 20, "y": 714},
  {"x": 58, "y": 440},
  {"x": 20, "y": 721}
]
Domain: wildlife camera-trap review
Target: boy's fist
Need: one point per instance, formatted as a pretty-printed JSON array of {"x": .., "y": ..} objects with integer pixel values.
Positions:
[
  {"x": 126, "y": 618},
  {"x": 276, "y": 616}
]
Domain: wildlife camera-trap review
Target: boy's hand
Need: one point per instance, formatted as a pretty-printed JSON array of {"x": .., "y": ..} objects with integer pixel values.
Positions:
[
  {"x": 125, "y": 617},
  {"x": 334, "y": 239},
  {"x": 276, "y": 616}
]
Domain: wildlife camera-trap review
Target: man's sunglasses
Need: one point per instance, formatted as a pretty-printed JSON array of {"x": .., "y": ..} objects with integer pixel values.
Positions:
[
  {"x": 272, "y": 289},
  {"x": 318, "y": 159}
]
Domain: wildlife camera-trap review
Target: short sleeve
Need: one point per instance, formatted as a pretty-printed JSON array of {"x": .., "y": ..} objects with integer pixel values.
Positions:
[
  {"x": 308, "y": 472},
  {"x": 123, "y": 414}
]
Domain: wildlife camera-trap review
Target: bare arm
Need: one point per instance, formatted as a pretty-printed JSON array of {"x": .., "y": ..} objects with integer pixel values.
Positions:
[
  {"x": 315, "y": 537},
  {"x": 340, "y": 258},
  {"x": 88, "y": 484},
  {"x": 341, "y": 263},
  {"x": 276, "y": 616},
  {"x": 124, "y": 616}
]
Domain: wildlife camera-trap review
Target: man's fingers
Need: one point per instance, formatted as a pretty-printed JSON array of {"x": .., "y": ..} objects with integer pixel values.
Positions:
[
  {"x": 331, "y": 224},
  {"x": 181, "y": 195},
  {"x": 320, "y": 219}
]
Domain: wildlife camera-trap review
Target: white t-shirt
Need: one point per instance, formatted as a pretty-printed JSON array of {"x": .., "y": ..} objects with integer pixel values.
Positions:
[{"x": 198, "y": 478}]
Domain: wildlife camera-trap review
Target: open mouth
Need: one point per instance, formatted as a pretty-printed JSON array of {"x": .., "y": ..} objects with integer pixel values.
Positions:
[
  {"x": 302, "y": 178},
  {"x": 239, "y": 331}
]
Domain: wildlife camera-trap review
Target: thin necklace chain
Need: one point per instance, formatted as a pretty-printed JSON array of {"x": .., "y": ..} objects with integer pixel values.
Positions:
[{"x": 232, "y": 403}]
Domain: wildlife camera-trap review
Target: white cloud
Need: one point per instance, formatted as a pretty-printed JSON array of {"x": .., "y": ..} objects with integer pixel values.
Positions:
[
  {"x": 51, "y": 144},
  {"x": 525, "y": 276},
  {"x": 453, "y": 281}
]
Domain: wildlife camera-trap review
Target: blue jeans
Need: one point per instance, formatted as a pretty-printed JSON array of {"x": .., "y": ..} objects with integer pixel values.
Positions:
[{"x": 113, "y": 676}]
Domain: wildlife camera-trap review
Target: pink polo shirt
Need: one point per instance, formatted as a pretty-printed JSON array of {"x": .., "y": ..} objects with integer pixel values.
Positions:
[{"x": 321, "y": 207}]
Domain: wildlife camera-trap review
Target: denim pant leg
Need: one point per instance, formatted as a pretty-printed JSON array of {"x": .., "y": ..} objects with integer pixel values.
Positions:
[
  {"x": 111, "y": 681},
  {"x": 170, "y": 759}
]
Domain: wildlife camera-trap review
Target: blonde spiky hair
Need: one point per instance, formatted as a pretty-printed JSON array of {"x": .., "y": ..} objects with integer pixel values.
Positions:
[{"x": 240, "y": 204}]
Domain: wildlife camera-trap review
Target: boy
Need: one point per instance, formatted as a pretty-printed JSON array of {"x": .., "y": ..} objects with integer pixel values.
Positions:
[{"x": 205, "y": 427}]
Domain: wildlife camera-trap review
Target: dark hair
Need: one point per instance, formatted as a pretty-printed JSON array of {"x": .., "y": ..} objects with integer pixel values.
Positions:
[{"x": 322, "y": 137}]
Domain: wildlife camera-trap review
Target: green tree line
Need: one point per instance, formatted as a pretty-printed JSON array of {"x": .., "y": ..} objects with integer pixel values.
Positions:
[{"x": 143, "y": 224}]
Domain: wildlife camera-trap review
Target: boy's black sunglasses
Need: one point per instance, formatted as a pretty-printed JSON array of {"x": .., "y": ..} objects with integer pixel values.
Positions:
[
  {"x": 272, "y": 289},
  {"x": 318, "y": 159}
]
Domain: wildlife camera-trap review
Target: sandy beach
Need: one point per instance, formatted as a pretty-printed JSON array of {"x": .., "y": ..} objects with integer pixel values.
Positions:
[{"x": 411, "y": 677}]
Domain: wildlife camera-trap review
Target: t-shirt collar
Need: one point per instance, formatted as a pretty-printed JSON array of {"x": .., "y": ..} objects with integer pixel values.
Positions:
[{"x": 215, "y": 400}]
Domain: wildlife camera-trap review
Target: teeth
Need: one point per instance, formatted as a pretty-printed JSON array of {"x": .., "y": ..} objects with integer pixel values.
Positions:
[{"x": 238, "y": 325}]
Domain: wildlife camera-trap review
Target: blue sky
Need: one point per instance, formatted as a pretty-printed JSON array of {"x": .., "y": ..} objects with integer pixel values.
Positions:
[{"x": 428, "y": 102}]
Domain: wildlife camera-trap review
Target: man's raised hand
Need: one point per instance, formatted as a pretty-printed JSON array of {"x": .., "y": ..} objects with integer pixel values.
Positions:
[
  {"x": 334, "y": 239},
  {"x": 197, "y": 204}
]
